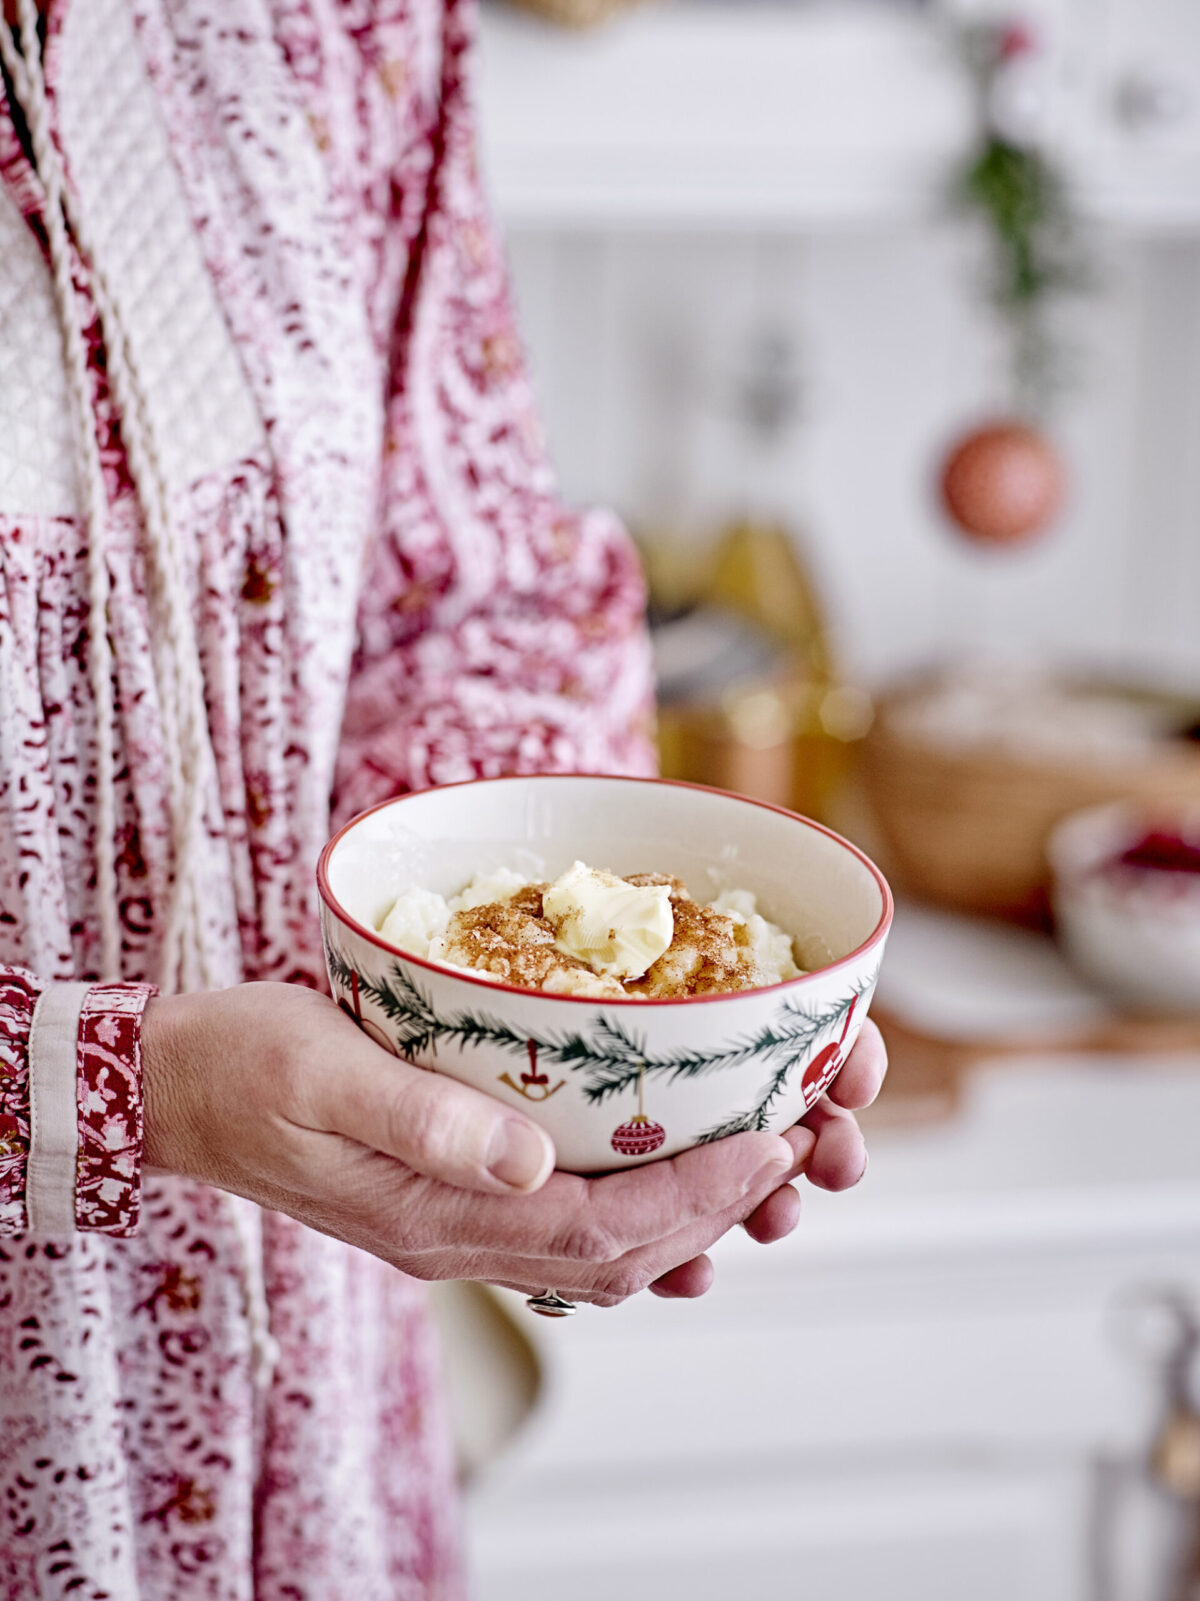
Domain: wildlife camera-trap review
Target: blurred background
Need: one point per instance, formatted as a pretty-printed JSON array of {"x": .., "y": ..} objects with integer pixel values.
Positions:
[{"x": 879, "y": 324}]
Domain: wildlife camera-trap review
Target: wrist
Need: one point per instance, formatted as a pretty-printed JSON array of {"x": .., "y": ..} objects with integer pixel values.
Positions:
[{"x": 164, "y": 1057}]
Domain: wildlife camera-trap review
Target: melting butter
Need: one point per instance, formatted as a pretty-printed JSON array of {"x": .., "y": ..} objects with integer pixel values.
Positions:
[{"x": 617, "y": 928}]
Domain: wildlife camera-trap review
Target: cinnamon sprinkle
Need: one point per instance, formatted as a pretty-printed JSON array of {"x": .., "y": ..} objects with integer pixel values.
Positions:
[{"x": 709, "y": 952}]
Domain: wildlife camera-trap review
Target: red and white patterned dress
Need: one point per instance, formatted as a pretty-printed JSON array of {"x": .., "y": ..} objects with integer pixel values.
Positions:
[{"x": 285, "y": 200}]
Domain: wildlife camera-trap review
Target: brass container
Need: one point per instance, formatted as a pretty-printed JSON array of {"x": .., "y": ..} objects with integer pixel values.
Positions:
[{"x": 782, "y": 734}]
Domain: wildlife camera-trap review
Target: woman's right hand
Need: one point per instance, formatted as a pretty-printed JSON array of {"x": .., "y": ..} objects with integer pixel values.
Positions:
[{"x": 270, "y": 1091}]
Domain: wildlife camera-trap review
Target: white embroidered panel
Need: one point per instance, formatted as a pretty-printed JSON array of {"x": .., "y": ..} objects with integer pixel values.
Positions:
[
  {"x": 200, "y": 408},
  {"x": 37, "y": 437}
]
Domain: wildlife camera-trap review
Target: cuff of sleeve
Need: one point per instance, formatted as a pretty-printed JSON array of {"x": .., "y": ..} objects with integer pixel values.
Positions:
[
  {"x": 85, "y": 1095},
  {"x": 108, "y": 1174},
  {"x": 19, "y": 993}
]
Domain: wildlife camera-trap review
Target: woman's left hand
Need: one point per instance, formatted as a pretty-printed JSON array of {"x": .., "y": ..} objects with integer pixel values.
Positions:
[{"x": 836, "y": 1161}]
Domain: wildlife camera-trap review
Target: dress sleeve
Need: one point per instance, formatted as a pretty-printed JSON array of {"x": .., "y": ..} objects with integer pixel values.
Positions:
[
  {"x": 499, "y": 631},
  {"x": 70, "y": 1105}
]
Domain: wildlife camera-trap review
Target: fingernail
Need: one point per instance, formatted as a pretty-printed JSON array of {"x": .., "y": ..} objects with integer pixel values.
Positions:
[
  {"x": 866, "y": 1164},
  {"x": 517, "y": 1154}
]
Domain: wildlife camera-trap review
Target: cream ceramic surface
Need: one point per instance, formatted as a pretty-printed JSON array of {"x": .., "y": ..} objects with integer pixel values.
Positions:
[
  {"x": 1136, "y": 935},
  {"x": 702, "y": 1067}
]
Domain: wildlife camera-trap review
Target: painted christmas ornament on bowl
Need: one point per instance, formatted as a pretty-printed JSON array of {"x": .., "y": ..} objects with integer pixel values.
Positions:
[
  {"x": 640, "y": 1136},
  {"x": 1003, "y": 484},
  {"x": 709, "y": 1065}
]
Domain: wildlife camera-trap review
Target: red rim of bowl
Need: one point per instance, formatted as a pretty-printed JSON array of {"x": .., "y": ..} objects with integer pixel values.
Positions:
[{"x": 335, "y": 906}]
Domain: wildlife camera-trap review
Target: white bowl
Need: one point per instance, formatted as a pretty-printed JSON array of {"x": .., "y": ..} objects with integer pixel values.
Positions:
[
  {"x": 614, "y": 1083},
  {"x": 1135, "y": 933}
]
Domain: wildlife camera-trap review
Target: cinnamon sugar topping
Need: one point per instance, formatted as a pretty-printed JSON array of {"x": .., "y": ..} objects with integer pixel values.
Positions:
[
  {"x": 514, "y": 942},
  {"x": 716, "y": 949}
]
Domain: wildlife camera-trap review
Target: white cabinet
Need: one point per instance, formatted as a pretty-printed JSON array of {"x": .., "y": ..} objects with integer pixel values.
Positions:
[
  {"x": 719, "y": 114},
  {"x": 1138, "y": 122},
  {"x": 922, "y": 1535},
  {"x": 678, "y": 181},
  {"x": 825, "y": 114},
  {"x": 913, "y": 1397}
]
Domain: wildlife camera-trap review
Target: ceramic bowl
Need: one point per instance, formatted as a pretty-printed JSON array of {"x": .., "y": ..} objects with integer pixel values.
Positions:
[
  {"x": 1133, "y": 932},
  {"x": 614, "y": 1083}
]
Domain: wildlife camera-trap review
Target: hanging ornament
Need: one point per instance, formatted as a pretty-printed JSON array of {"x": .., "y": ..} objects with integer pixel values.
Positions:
[
  {"x": 1003, "y": 483},
  {"x": 638, "y": 1137},
  {"x": 1019, "y": 99}
]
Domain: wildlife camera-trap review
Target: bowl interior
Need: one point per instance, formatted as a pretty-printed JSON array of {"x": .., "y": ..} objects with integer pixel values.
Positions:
[{"x": 806, "y": 879}]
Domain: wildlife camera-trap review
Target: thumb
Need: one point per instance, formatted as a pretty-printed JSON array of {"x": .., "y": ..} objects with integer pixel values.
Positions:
[{"x": 434, "y": 1124}]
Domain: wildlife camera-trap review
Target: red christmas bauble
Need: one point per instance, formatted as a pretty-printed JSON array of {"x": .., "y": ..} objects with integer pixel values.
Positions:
[
  {"x": 821, "y": 1072},
  {"x": 1003, "y": 483},
  {"x": 638, "y": 1137}
]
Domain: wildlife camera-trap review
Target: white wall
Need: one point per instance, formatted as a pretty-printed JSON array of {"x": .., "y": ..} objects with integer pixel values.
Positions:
[{"x": 633, "y": 337}]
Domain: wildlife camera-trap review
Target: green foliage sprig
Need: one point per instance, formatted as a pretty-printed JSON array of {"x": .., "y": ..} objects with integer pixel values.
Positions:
[{"x": 1022, "y": 198}]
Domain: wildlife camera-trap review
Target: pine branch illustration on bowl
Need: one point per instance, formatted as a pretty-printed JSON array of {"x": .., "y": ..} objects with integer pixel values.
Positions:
[{"x": 679, "y": 1071}]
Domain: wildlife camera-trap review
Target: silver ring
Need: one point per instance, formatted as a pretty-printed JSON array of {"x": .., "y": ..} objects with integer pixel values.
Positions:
[{"x": 549, "y": 1304}]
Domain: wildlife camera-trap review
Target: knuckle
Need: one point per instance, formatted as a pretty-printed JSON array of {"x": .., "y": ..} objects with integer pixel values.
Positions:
[
  {"x": 587, "y": 1241},
  {"x": 624, "y": 1283},
  {"x": 414, "y": 1122},
  {"x": 416, "y": 1223}
]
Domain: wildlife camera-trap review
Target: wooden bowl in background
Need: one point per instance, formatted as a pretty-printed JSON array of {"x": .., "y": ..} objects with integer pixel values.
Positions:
[{"x": 967, "y": 828}]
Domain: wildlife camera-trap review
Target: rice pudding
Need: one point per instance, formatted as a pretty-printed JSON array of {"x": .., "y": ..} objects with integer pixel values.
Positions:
[{"x": 642, "y": 937}]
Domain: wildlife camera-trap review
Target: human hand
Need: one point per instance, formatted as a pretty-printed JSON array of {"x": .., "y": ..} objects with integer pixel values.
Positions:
[
  {"x": 269, "y": 1091},
  {"x": 828, "y": 1148}
]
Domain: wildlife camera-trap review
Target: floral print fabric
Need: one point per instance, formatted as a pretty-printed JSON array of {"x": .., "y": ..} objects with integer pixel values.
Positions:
[
  {"x": 388, "y": 594},
  {"x": 108, "y": 1095}
]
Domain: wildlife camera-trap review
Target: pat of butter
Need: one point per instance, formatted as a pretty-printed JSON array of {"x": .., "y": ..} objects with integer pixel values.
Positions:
[{"x": 616, "y": 928}]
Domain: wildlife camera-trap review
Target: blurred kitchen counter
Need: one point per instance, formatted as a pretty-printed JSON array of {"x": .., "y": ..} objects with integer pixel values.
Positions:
[
  {"x": 957, "y": 991},
  {"x": 919, "y": 1394}
]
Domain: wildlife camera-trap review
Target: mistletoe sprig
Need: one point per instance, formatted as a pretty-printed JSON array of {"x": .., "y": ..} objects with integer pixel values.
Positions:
[{"x": 611, "y": 1055}]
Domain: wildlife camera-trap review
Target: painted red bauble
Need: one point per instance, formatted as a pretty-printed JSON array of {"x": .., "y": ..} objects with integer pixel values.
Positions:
[
  {"x": 821, "y": 1072},
  {"x": 1003, "y": 484},
  {"x": 638, "y": 1137}
]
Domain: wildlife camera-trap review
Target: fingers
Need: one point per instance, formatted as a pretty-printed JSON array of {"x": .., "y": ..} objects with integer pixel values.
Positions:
[
  {"x": 839, "y": 1159},
  {"x": 583, "y": 1232},
  {"x": 706, "y": 1182},
  {"x": 595, "y": 1222},
  {"x": 775, "y": 1218},
  {"x": 664, "y": 1258},
  {"x": 803, "y": 1142},
  {"x": 861, "y": 1080},
  {"x": 433, "y": 1124},
  {"x": 686, "y": 1282}
]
